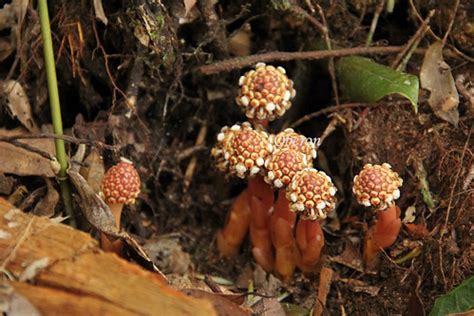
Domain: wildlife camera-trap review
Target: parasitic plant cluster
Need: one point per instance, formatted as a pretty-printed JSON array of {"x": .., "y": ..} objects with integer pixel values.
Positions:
[
  {"x": 272, "y": 162},
  {"x": 286, "y": 232}
]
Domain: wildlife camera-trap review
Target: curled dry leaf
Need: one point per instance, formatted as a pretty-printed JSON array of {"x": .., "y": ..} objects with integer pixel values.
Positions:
[
  {"x": 47, "y": 204},
  {"x": 19, "y": 161},
  {"x": 19, "y": 105},
  {"x": 93, "y": 170},
  {"x": 436, "y": 77}
]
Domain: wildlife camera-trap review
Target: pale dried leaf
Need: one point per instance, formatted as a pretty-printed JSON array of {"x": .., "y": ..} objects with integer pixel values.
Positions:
[
  {"x": 188, "y": 6},
  {"x": 268, "y": 307},
  {"x": 436, "y": 77},
  {"x": 410, "y": 215},
  {"x": 12, "y": 303},
  {"x": 22, "y": 162},
  {"x": 93, "y": 170},
  {"x": 33, "y": 268},
  {"x": 19, "y": 105},
  {"x": 4, "y": 234},
  {"x": 358, "y": 286},
  {"x": 6, "y": 184},
  {"x": 46, "y": 206},
  {"x": 99, "y": 11},
  {"x": 7, "y": 16}
]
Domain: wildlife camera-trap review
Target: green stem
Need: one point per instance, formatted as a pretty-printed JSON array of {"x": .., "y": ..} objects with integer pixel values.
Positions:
[{"x": 55, "y": 107}]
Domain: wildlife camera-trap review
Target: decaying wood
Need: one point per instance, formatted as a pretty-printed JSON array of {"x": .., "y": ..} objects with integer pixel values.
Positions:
[{"x": 77, "y": 278}]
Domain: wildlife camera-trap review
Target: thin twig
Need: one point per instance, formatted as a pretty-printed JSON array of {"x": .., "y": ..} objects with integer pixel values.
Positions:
[
  {"x": 27, "y": 147},
  {"x": 375, "y": 20},
  {"x": 66, "y": 138},
  {"x": 188, "y": 175},
  {"x": 451, "y": 23},
  {"x": 340, "y": 107},
  {"x": 419, "y": 34},
  {"x": 241, "y": 62},
  {"x": 455, "y": 50}
]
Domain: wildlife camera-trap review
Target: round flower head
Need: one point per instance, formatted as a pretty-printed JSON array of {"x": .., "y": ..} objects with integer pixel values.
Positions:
[
  {"x": 377, "y": 186},
  {"x": 265, "y": 92},
  {"x": 121, "y": 184},
  {"x": 292, "y": 140},
  {"x": 282, "y": 165},
  {"x": 312, "y": 194},
  {"x": 244, "y": 151},
  {"x": 223, "y": 145}
]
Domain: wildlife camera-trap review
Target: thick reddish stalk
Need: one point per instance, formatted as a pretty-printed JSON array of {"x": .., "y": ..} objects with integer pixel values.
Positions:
[
  {"x": 117, "y": 245},
  {"x": 261, "y": 204},
  {"x": 281, "y": 225},
  {"x": 310, "y": 242},
  {"x": 382, "y": 234},
  {"x": 232, "y": 235}
]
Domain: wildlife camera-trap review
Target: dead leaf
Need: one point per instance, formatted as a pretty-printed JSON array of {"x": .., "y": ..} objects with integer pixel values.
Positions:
[
  {"x": 22, "y": 162},
  {"x": 325, "y": 280},
  {"x": 19, "y": 105},
  {"x": 240, "y": 42},
  {"x": 6, "y": 48},
  {"x": 46, "y": 206},
  {"x": 223, "y": 306},
  {"x": 99, "y": 11},
  {"x": 358, "y": 286},
  {"x": 188, "y": 6},
  {"x": 410, "y": 215},
  {"x": 12, "y": 303},
  {"x": 6, "y": 184},
  {"x": 7, "y": 16},
  {"x": 350, "y": 257},
  {"x": 417, "y": 230},
  {"x": 93, "y": 170},
  {"x": 436, "y": 77},
  {"x": 33, "y": 268},
  {"x": 167, "y": 254},
  {"x": 268, "y": 306}
]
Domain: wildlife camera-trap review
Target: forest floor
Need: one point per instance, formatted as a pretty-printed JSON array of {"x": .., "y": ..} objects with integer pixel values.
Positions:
[{"x": 144, "y": 76}]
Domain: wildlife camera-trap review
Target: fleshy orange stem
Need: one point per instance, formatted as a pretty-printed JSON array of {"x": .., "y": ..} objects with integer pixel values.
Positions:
[
  {"x": 232, "y": 235},
  {"x": 281, "y": 225},
  {"x": 116, "y": 245},
  {"x": 310, "y": 242},
  {"x": 261, "y": 204},
  {"x": 382, "y": 234}
]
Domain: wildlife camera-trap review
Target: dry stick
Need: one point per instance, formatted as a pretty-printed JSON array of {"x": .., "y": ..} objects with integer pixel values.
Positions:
[
  {"x": 67, "y": 138},
  {"x": 241, "y": 62},
  {"x": 451, "y": 23},
  {"x": 323, "y": 28},
  {"x": 331, "y": 67},
  {"x": 188, "y": 175},
  {"x": 455, "y": 50},
  {"x": 27, "y": 147},
  {"x": 455, "y": 183},
  {"x": 419, "y": 34},
  {"x": 375, "y": 20},
  {"x": 336, "y": 108}
]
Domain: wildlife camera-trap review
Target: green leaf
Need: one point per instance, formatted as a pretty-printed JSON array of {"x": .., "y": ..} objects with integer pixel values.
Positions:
[
  {"x": 458, "y": 300},
  {"x": 363, "y": 80}
]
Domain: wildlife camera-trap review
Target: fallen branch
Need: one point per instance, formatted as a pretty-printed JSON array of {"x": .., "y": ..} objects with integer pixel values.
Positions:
[{"x": 240, "y": 62}]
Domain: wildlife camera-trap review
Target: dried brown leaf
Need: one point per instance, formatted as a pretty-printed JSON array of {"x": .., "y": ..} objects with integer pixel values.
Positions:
[
  {"x": 46, "y": 206},
  {"x": 19, "y": 105},
  {"x": 436, "y": 77},
  {"x": 93, "y": 170},
  {"x": 223, "y": 306},
  {"x": 325, "y": 280},
  {"x": 358, "y": 286},
  {"x": 268, "y": 307},
  {"x": 22, "y": 162}
]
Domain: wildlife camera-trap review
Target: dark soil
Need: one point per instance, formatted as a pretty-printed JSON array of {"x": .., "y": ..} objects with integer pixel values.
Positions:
[{"x": 134, "y": 83}]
